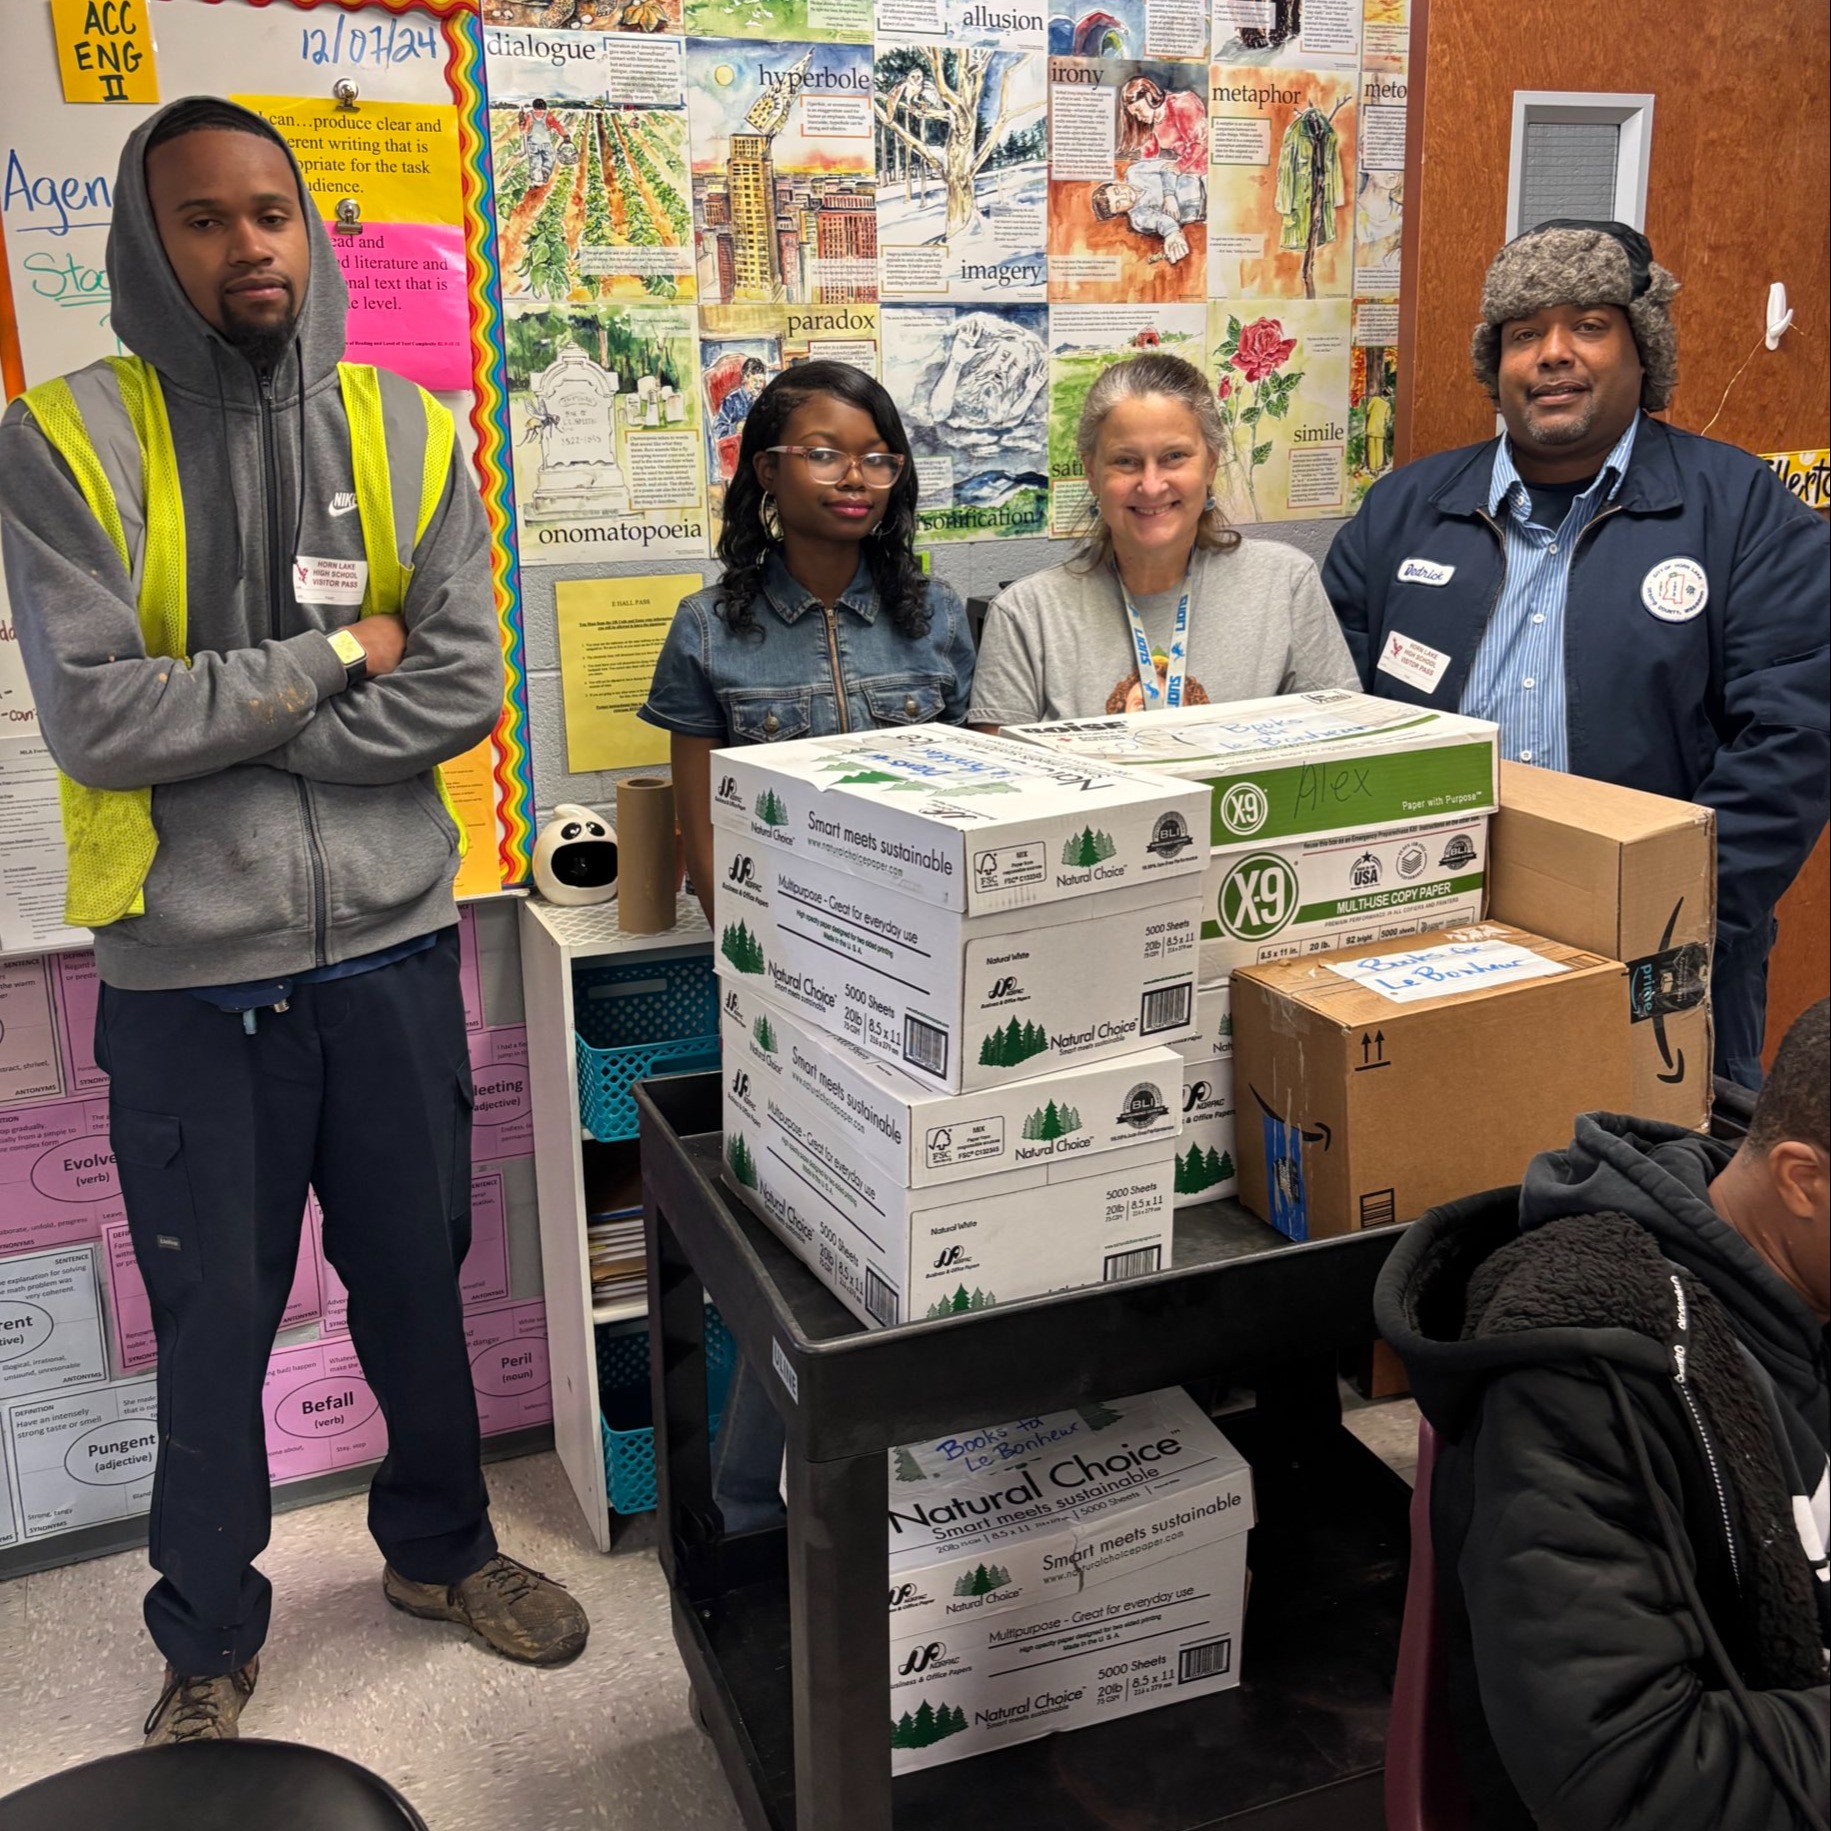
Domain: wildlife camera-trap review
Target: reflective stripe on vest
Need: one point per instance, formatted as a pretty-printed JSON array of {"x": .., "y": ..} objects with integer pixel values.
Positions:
[{"x": 108, "y": 423}]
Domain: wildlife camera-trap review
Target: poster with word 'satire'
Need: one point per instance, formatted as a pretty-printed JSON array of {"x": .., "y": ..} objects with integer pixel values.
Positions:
[
  {"x": 1280, "y": 373},
  {"x": 962, "y": 172},
  {"x": 972, "y": 385},
  {"x": 1128, "y": 181},
  {"x": 1083, "y": 341},
  {"x": 1281, "y": 183}
]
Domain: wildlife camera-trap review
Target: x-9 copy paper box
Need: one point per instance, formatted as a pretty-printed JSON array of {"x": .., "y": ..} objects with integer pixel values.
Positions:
[
  {"x": 1299, "y": 766},
  {"x": 1062, "y": 1570},
  {"x": 1374, "y": 1083}
]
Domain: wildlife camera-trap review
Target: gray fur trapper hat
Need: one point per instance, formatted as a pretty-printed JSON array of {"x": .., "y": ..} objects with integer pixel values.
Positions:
[{"x": 1567, "y": 262}]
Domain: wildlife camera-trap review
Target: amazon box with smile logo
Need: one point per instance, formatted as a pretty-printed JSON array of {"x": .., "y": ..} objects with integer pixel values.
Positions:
[
  {"x": 1376, "y": 1082},
  {"x": 1062, "y": 1570}
]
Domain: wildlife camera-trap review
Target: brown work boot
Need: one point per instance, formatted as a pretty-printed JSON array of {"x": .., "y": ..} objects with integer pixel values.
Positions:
[
  {"x": 522, "y": 1614},
  {"x": 201, "y": 1709}
]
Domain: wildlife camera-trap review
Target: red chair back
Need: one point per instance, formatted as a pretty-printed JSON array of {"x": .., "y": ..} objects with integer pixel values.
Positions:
[{"x": 1424, "y": 1790}]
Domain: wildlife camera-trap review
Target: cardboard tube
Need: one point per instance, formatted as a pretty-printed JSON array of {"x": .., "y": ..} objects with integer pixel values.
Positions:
[{"x": 645, "y": 855}]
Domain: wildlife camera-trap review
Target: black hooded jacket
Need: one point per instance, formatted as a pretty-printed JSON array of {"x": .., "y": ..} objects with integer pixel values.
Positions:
[{"x": 1630, "y": 1562}]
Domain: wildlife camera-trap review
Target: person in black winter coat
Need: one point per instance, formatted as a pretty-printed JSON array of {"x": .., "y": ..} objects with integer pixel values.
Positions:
[{"x": 1625, "y": 1361}]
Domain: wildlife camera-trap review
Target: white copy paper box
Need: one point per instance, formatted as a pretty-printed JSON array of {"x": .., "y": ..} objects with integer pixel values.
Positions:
[
  {"x": 1299, "y": 766},
  {"x": 957, "y": 819},
  {"x": 1205, "y": 1165},
  {"x": 1309, "y": 896},
  {"x": 959, "y": 1001},
  {"x": 922, "y": 1138},
  {"x": 1060, "y": 1570},
  {"x": 894, "y": 1255}
]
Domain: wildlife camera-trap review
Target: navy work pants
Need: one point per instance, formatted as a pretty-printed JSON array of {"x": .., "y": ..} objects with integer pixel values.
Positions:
[{"x": 361, "y": 1090}]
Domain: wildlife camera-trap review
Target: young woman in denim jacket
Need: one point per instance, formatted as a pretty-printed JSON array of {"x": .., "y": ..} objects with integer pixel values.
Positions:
[{"x": 821, "y": 622}]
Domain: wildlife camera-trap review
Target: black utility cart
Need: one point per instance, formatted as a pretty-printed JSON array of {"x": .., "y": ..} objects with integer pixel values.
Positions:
[{"x": 785, "y": 1635}]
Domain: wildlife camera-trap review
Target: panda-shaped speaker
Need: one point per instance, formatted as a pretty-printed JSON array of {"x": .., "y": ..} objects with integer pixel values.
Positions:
[{"x": 575, "y": 857}]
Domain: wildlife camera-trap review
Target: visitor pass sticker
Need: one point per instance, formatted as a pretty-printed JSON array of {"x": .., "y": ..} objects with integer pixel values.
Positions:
[
  {"x": 329, "y": 581},
  {"x": 1676, "y": 590},
  {"x": 1416, "y": 663}
]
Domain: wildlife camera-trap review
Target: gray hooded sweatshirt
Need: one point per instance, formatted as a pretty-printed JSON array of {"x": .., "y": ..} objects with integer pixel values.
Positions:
[{"x": 299, "y": 823}]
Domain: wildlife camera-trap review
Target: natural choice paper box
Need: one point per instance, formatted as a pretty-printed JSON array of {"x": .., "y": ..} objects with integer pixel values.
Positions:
[
  {"x": 959, "y": 1001},
  {"x": 957, "y": 819},
  {"x": 1309, "y": 896},
  {"x": 894, "y": 1255},
  {"x": 1062, "y": 1570},
  {"x": 1205, "y": 1159},
  {"x": 1302, "y": 766},
  {"x": 922, "y": 1138}
]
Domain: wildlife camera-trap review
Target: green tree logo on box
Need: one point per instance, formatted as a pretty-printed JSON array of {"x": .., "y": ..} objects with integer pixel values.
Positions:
[
  {"x": 1098, "y": 1417},
  {"x": 907, "y": 1468},
  {"x": 983, "y": 1581},
  {"x": 867, "y": 777},
  {"x": 1202, "y": 1169},
  {"x": 1013, "y": 1044},
  {"x": 741, "y": 948},
  {"x": 931, "y": 1723},
  {"x": 770, "y": 809},
  {"x": 1052, "y": 1121},
  {"x": 1087, "y": 848},
  {"x": 1258, "y": 897},
  {"x": 961, "y": 1301},
  {"x": 765, "y": 1033},
  {"x": 743, "y": 1165}
]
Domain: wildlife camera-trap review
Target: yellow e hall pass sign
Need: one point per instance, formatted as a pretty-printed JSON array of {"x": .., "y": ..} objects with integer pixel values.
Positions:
[{"x": 105, "y": 50}]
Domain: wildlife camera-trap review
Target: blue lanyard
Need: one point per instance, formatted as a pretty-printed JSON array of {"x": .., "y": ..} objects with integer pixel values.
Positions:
[{"x": 1171, "y": 692}]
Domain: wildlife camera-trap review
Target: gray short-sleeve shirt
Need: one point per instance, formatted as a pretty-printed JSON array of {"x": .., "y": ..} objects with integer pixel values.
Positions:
[{"x": 1057, "y": 644}]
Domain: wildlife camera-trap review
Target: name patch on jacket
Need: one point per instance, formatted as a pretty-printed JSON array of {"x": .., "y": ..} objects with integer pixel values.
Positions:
[
  {"x": 1676, "y": 590},
  {"x": 1425, "y": 572},
  {"x": 1416, "y": 663}
]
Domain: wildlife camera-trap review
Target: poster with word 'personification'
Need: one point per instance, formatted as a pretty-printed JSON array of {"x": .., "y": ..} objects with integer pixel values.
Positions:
[
  {"x": 784, "y": 201},
  {"x": 1280, "y": 373},
  {"x": 1084, "y": 340},
  {"x": 1281, "y": 183},
  {"x": 972, "y": 385},
  {"x": 605, "y": 428},
  {"x": 743, "y": 348},
  {"x": 962, "y": 172},
  {"x": 1128, "y": 181}
]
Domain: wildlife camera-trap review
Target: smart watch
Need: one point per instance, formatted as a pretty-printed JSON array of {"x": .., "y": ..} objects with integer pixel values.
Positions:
[{"x": 352, "y": 654}]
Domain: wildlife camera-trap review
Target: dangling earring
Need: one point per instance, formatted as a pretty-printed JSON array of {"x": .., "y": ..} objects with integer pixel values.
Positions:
[
  {"x": 769, "y": 518},
  {"x": 1210, "y": 505}
]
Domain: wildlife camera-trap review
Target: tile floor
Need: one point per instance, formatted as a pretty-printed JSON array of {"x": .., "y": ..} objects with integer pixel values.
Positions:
[{"x": 476, "y": 1743}]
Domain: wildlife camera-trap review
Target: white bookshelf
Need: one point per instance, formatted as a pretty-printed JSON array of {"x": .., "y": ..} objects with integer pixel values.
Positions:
[{"x": 553, "y": 942}]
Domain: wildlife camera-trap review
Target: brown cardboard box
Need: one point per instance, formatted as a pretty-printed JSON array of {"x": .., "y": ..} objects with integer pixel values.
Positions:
[
  {"x": 1361, "y": 1104},
  {"x": 1628, "y": 875}
]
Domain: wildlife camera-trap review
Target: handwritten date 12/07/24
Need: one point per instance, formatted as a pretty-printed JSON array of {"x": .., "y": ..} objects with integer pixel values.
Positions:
[{"x": 391, "y": 41}]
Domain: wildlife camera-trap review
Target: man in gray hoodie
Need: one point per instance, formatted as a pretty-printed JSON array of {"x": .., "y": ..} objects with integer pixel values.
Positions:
[{"x": 248, "y": 679}]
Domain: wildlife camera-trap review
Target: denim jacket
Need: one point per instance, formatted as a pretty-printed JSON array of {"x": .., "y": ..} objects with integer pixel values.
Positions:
[{"x": 806, "y": 673}]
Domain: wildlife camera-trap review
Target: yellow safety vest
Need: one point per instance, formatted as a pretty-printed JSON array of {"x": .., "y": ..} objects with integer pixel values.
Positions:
[{"x": 109, "y": 833}]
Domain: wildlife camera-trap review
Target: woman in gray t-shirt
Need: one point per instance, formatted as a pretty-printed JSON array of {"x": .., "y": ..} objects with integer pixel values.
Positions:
[{"x": 1165, "y": 604}]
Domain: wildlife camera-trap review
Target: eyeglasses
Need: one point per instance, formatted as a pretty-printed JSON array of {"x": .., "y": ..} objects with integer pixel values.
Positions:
[{"x": 879, "y": 469}]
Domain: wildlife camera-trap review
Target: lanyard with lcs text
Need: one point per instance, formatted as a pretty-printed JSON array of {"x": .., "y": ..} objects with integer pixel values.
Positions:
[{"x": 1171, "y": 692}]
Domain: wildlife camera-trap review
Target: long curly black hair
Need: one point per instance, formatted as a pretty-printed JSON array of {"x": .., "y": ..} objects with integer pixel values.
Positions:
[{"x": 743, "y": 548}]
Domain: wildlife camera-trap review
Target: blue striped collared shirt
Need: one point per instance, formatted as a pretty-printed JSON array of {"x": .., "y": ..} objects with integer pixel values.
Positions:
[{"x": 1517, "y": 679}]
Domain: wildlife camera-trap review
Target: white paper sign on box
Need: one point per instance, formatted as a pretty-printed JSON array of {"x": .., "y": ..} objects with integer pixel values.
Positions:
[
  {"x": 1062, "y": 1570},
  {"x": 894, "y": 1255},
  {"x": 1299, "y": 766},
  {"x": 1442, "y": 972},
  {"x": 959, "y": 1001},
  {"x": 1308, "y": 896},
  {"x": 958, "y": 819},
  {"x": 922, "y": 1138}
]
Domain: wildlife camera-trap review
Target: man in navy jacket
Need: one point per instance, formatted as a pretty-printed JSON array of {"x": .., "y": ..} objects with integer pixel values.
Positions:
[{"x": 1626, "y": 600}]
